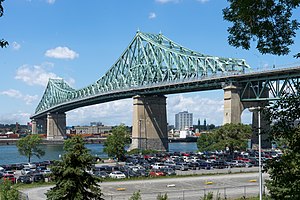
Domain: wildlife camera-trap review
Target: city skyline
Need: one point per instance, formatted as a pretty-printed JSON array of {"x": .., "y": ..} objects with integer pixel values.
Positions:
[{"x": 80, "y": 42}]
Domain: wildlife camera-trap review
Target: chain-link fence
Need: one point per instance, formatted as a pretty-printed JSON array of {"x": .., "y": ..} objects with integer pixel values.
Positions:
[{"x": 222, "y": 192}]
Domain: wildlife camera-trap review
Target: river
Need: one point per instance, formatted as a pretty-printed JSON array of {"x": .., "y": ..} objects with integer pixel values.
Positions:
[{"x": 9, "y": 153}]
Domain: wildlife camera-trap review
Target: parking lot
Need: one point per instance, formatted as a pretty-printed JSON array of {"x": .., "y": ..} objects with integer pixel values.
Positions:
[{"x": 228, "y": 185}]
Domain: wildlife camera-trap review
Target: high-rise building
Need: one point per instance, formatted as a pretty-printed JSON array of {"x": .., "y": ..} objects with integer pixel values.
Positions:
[{"x": 183, "y": 120}]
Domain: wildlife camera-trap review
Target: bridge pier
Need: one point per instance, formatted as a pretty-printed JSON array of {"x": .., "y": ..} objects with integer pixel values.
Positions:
[
  {"x": 39, "y": 126},
  {"x": 149, "y": 130},
  {"x": 56, "y": 126},
  {"x": 34, "y": 127},
  {"x": 233, "y": 107}
]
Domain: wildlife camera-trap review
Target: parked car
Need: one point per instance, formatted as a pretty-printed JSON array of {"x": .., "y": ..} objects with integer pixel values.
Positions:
[
  {"x": 237, "y": 163},
  {"x": 38, "y": 177},
  {"x": 169, "y": 171},
  {"x": 24, "y": 179},
  {"x": 193, "y": 165},
  {"x": 156, "y": 172},
  {"x": 9, "y": 177},
  {"x": 130, "y": 173},
  {"x": 101, "y": 174},
  {"x": 220, "y": 164},
  {"x": 25, "y": 171},
  {"x": 158, "y": 166},
  {"x": 205, "y": 165},
  {"x": 117, "y": 175},
  {"x": 182, "y": 166}
]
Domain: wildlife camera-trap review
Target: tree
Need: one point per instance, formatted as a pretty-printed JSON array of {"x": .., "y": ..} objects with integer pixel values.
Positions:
[
  {"x": 269, "y": 22},
  {"x": 232, "y": 136},
  {"x": 7, "y": 191},
  {"x": 72, "y": 181},
  {"x": 28, "y": 146},
  {"x": 284, "y": 115},
  {"x": 3, "y": 43},
  {"x": 115, "y": 143}
]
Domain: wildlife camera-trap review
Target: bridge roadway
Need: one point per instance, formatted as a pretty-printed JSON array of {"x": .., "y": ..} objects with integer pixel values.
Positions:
[
  {"x": 213, "y": 82},
  {"x": 229, "y": 185}
]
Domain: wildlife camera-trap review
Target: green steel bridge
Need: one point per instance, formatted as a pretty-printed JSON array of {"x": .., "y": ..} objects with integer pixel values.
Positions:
[{"x": 155, "y": 65}]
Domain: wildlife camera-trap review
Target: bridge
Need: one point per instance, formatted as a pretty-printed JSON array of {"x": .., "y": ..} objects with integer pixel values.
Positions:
[{"x": 151, "y": 67}]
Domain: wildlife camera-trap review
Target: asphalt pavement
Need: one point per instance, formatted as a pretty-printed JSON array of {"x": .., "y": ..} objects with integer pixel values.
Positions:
[{"x": 228, "y": 185}]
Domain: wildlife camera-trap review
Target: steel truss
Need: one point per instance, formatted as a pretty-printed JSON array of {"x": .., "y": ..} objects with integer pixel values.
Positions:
[{"x": 149, "y": 60}]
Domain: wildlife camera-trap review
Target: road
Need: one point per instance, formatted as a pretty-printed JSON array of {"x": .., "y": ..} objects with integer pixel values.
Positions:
[{"x": 229, "y": 185}]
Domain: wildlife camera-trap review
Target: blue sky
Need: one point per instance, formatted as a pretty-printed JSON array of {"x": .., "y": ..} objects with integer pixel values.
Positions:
[{"x": 80, "y": 40}]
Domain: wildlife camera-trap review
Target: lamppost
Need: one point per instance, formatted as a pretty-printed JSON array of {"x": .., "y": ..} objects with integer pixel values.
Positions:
[{"x": 258, "y": 110}]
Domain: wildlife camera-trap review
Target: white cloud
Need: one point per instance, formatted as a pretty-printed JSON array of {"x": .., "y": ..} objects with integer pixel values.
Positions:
[
  {"x": 167, "y": 1},
  {"x": 16, "y": 46},
  {"x": 50, "y": 1},
  {"x": 116, "y": 112},
  {"x": 111, "y": 113},
  {"x": 12, "y": 93},
  {"x": 12, "y": 118},
  {"x": 61, "y": 53},
  {"x": 35, "y": 75},
  {"x": 152, "y": 15},
  {"x": 203, "y": 1},
  {"x": 202, "y": 108},
  {"x": 18, "y": 95}
]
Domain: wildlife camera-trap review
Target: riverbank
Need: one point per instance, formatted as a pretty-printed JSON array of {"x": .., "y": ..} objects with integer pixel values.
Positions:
[{"x": 45, "y": 141}]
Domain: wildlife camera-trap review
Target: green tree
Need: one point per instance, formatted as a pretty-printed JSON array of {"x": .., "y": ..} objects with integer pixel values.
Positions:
[
  {"x": 284, "y": 182},
  {"x": 232, "y": 136},
  {"x": 7, "y": 191},
  {"x": 29, "y": 146},
  {"x": 115, "y": 143},
  {"x": 205, "y": 142},
  {"x": 268, "y": 22},
  {"x": 72, "y": 181},
  {"x": 3, "y": 43}
]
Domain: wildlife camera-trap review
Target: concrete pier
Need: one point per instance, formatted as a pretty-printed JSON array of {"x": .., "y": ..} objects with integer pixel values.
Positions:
[{"x": 149, "y": 129}]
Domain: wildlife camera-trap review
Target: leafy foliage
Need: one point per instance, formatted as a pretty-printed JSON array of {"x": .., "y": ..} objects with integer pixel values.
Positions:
[
  {"x": 115, "y": 143},
  {"x": 267, "y": 21},
  {"x": 72, "y": 180},
  {"x": 136, "y": 196},
  {"x": 7, "y": 191},
  {"x": 29, "y": 146},
  {"x": 208, "y": 196},
  {"x": 162, "y": 197},
  {"x": 284, "y": 172},
  {"x": 3, "y": 43},
  {"x": 232, "y": 136}
]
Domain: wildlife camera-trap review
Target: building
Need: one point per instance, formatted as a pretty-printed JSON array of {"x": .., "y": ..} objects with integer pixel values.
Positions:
[
  {"x": 183, "y": 120},
  {"x": 94, "y": 129}
]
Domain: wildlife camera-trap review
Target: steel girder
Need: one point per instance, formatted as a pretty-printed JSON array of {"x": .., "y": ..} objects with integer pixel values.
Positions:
[
  {"x": 268, "y": 89},
  {"x": 149, "y": 59}
]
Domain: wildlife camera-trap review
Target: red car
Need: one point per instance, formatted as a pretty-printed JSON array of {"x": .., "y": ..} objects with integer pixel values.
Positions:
[
  {"x": 155, "y": 172},
  {"x": 10, "y": 177}
]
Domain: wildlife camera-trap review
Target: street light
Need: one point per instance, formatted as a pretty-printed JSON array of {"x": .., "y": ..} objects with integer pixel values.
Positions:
[{"x": 258, "y": 110}]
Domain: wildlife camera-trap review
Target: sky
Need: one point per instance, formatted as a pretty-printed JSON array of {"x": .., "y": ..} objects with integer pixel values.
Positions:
[{"x": 80, "y": 40}]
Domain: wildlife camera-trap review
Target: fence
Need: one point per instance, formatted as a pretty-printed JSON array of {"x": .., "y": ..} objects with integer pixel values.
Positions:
[{"x": 222, "y": 192}]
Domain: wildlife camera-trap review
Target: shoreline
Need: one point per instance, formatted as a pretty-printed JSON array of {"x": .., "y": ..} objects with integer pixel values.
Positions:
[{"x": 4, "y": 142}]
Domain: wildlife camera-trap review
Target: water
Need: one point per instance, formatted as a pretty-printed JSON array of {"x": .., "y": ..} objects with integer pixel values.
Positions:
[{"x": 9, "y": 153}]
